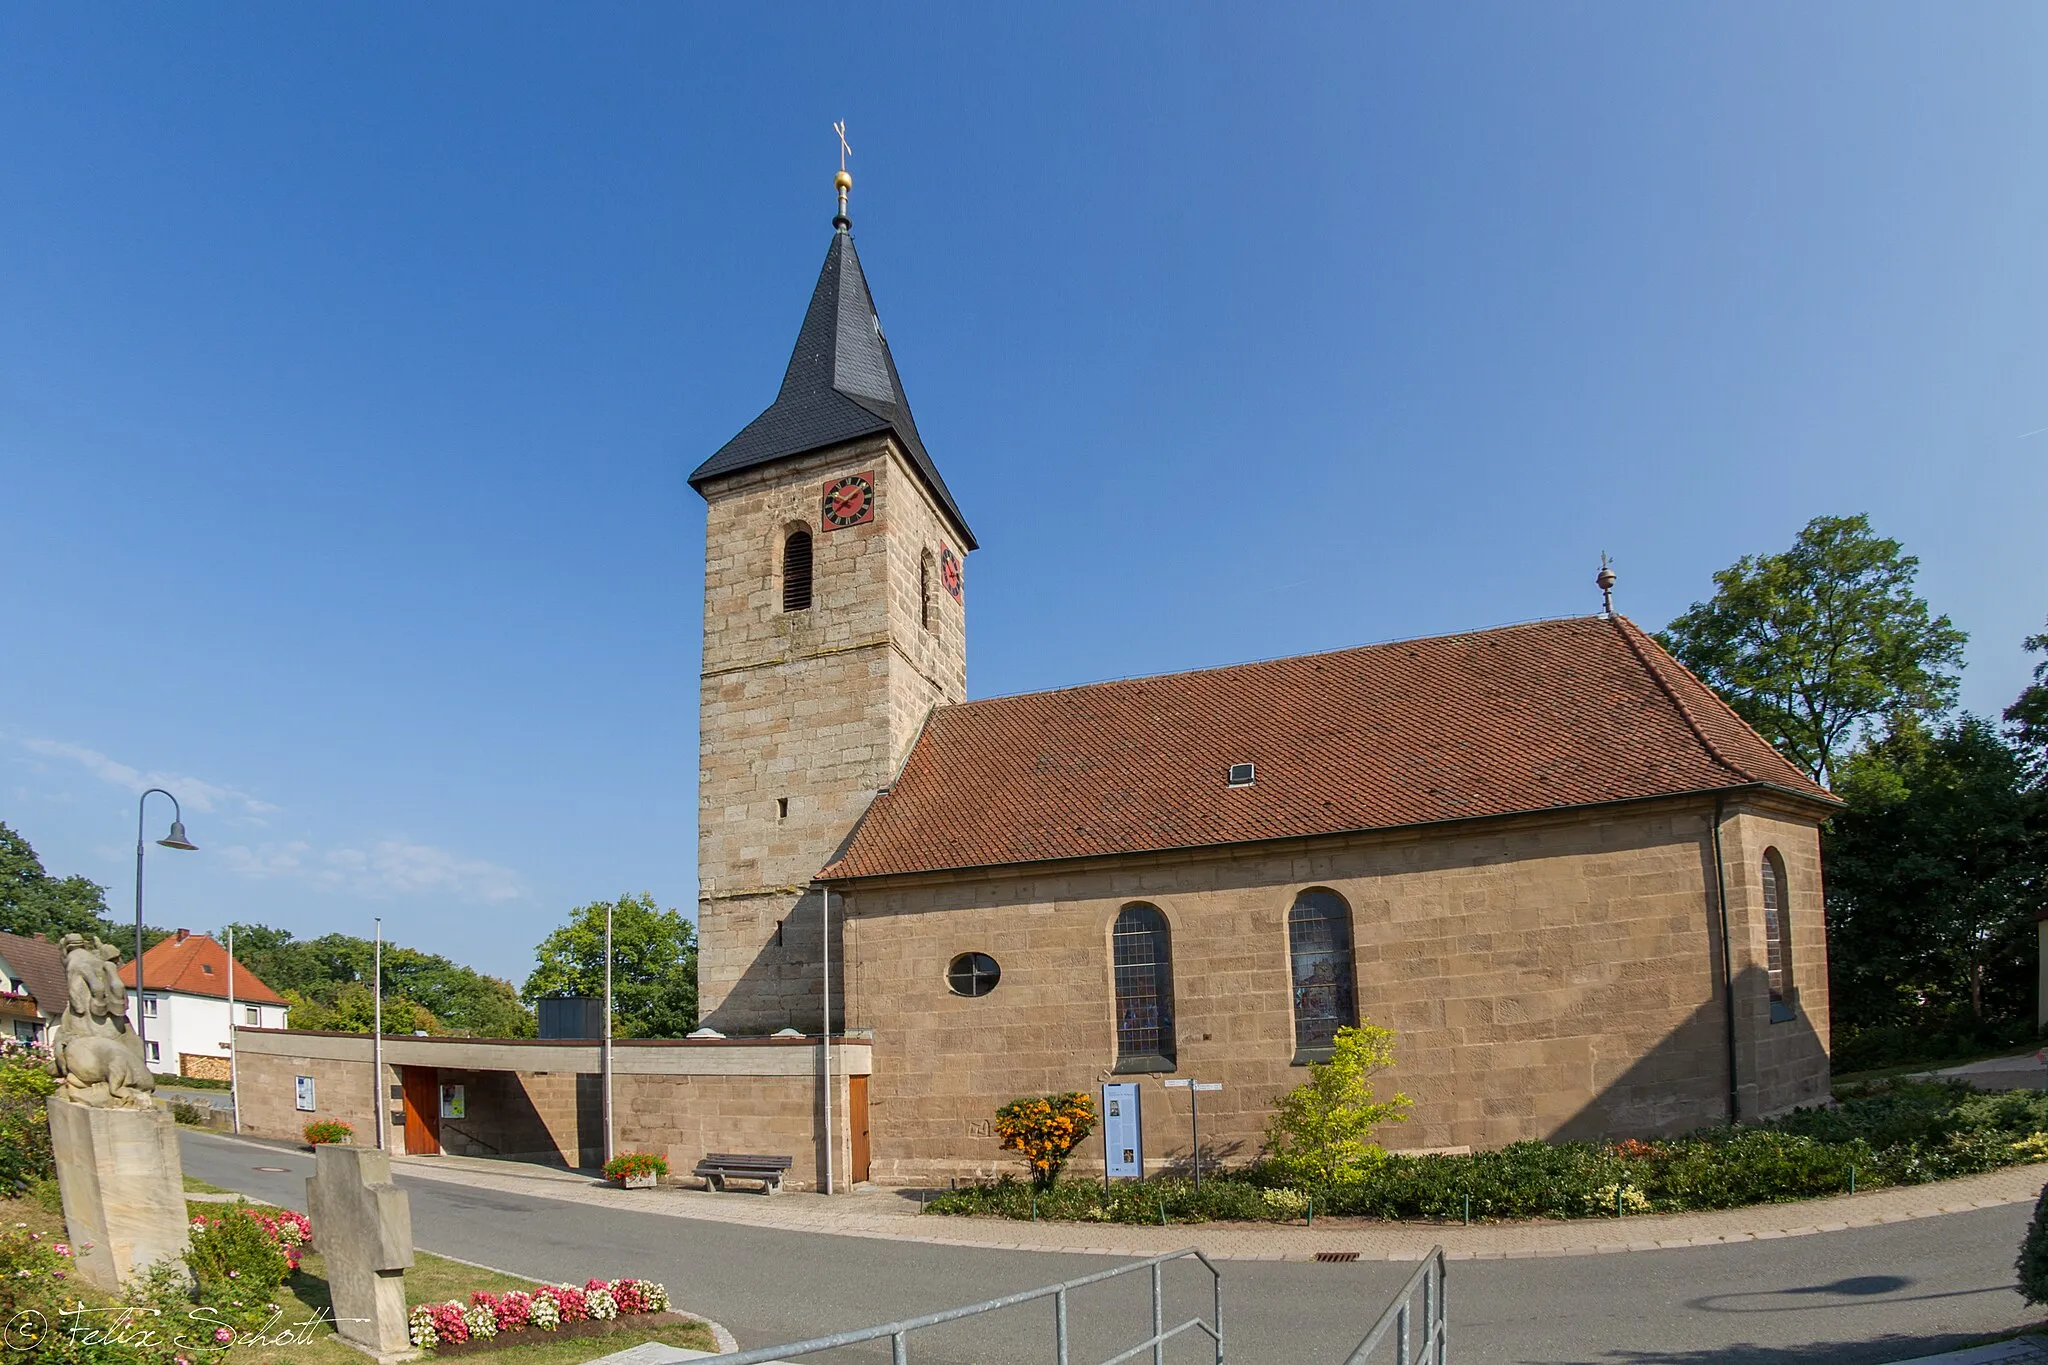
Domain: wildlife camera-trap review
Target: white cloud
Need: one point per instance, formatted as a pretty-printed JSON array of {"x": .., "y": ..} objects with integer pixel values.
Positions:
[
  {"x": 389, "y": 867},
  {"x": 386, "y": 868},
  {"x": 205, "y": 797}
]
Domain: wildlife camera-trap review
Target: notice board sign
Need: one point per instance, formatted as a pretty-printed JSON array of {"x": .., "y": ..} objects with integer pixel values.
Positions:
[
  {"x": 454, "y": 1104},
  {"x": 1123, "y": 1132}
]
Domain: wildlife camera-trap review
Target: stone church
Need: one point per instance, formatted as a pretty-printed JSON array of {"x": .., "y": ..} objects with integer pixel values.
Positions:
[{"x": 1582, "y": 890}]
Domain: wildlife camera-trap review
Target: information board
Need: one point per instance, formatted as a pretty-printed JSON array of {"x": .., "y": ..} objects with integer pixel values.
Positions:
[{"x": 1123, "y": 1131}]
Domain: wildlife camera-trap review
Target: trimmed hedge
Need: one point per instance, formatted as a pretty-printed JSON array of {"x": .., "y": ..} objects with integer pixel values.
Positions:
[{"x": 1903, "y": 1133}]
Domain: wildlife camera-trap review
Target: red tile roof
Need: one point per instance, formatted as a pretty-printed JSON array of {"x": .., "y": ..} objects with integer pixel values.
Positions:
[
  {"x": 39, "y": 964},
  {"x": 1544, "y": 716},
  {"x": 196, "y": 965}
]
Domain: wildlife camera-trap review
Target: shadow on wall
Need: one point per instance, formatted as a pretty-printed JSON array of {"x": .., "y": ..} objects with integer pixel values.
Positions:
[
  {"x": 783, "y": 987},
  {"x": 498, "y": 1104},
  {"x": 1682, "y": 1083}
]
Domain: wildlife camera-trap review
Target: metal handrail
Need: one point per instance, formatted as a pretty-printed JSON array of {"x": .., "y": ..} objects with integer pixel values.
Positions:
[
  {"x": 1430, "y": 1276},
  {"x": 898, "y": 1333}
]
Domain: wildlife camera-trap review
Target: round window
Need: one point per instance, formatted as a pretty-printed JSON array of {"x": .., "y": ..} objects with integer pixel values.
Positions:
[{"x": 973, "y": 974}]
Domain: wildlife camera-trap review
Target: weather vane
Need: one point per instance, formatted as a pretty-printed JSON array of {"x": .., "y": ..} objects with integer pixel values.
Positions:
[
  {"x": 842, "y": 182},
  {"x": 1605, "y": 581}
]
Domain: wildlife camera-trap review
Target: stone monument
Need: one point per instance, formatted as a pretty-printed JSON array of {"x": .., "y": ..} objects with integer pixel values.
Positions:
[
  {"x": 362, "y": 1224},
  {"x": 116, "y": 1149}
]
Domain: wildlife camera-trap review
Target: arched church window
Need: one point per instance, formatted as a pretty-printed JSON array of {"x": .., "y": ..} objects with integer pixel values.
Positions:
[
  {"x": 1142, "y": 960},
  {"x": 1319, "y": 952},
  {"x": 1777, "y": 934},
  {"x": 924, "y": 590},
  {"x": 796, "y": 571}
]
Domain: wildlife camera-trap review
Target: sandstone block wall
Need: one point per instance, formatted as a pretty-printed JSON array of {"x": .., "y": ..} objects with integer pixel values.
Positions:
[
  {"x": 1549, "y": 977},
  {"x": 543, "y": 1102},
  {"x": 341, "y": 1088},
  {"x": 1783, "y": 1062},
  {"x": 804, "y": 715}
]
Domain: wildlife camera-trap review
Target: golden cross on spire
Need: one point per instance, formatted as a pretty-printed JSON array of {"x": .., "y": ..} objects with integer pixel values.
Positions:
[{"x": 842, "y": 182}]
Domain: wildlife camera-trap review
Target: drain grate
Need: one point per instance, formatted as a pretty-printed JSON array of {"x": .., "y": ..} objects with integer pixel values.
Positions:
[{"x": 1336, "y": 1255}]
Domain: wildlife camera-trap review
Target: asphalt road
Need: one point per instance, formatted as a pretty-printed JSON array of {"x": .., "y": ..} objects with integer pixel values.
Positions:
[{"x": 1869, "y": 1294}]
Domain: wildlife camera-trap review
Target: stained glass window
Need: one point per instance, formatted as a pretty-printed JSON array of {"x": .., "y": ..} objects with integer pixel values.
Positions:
[
  {"x": 1142, "y": 956},
  {"x": 1777, "y": 927},
  {"x": 1319, "y": 946}
]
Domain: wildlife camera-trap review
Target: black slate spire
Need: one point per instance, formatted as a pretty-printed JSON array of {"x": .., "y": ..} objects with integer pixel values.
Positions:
[{"x": 841, "y": 385}]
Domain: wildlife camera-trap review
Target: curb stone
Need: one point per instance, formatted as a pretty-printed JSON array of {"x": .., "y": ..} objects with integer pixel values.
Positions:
[{"x": 882, "y": 1215}]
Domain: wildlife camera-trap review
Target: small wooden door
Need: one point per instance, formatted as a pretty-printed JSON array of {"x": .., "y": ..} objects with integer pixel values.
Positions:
[
  {"x": 857, "y": 1124},
  {"x": 422, "y": 1110}
]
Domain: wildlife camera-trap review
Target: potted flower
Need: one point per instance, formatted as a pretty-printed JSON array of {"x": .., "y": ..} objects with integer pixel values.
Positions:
[
  {"x": 636, "y": 1170},
  {"x": 328, "y": 1130}
]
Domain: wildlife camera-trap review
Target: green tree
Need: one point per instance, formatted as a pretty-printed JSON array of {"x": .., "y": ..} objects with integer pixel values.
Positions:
[
  {"x": 1935, "y": 872},
  {"x": 34, "y": 902},
  {"x": 1824, "y": 646},
  {"x": 2027, "y": 717},
  {"x": 1321, "y": 1131},
  {"x": 654, "y": 965},
  {"x": 316, "y": 975}
]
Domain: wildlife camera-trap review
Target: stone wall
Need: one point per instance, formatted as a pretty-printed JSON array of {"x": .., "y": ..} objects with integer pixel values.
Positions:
[
  {"x": 804, "y": 715},
  {"x": 543, "y": 1100},
  {"x": 339, "y": 1066},
  {"x": 1783, "y": 1061},
  {"x": 1549, "y": 977}
]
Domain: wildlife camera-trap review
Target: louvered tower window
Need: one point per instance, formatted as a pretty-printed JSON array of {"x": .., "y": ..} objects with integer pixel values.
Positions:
[
  {"x": 796, "y": 572},
  {"x": 924, "y": 589},
  {"x": 1319, "y": 946},
  {"x": 1142, "y": 958}
]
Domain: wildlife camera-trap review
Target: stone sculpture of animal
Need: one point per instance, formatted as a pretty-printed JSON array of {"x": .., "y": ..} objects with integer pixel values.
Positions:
[{"x": 97, "y": 1054}]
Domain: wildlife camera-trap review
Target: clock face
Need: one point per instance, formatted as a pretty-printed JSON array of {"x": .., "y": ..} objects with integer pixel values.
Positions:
[
  {"x": 850, "y": 501},
  {"x": 949, "y": 569}
]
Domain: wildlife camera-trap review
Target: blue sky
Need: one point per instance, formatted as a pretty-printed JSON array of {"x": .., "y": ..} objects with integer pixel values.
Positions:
[{"x": 352, "y": 361}]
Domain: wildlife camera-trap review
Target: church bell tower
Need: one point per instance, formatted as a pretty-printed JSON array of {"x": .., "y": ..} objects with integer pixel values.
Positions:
[{"x": 834, "y": 621}]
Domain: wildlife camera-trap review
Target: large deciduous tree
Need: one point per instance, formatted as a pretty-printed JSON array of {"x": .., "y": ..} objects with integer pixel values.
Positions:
[
  {"x": 1824, "y": 646},
  {"x": 654, "y": 965},
  {"x": 2027, "y": 717},
  {"x": 34, "y": 902},
  {"x": 1934, "y": 875},
  {"x": 328, "y": 982}
]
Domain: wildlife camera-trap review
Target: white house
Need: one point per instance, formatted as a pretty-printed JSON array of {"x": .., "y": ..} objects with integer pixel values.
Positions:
[
  {"x": 184, "y": 1016},
  {"x": 31, "y": 987}
]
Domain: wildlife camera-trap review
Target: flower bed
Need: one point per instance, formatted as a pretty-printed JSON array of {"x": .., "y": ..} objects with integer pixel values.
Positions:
[
  {"x": 636, "y": 1168},
  {"x": 1902, "y": 1133},
  {"x": 328, "y": 1130},
  {"x": 288, "y": 1230},
  {"x": 560, "y": 1308}
]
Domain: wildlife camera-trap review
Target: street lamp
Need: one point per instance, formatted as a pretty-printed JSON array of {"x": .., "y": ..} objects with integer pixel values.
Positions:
[{"x": 175, "y": 839}]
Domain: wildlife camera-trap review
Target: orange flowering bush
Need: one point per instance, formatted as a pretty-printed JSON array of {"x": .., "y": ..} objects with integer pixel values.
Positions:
[{"x": 1046, "y": 1130}]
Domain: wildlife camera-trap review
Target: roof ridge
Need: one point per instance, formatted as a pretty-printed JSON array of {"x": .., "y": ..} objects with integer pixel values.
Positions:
[
  {"x": 1502, "y": 629},
  {"x": 1628, "y": 630}
]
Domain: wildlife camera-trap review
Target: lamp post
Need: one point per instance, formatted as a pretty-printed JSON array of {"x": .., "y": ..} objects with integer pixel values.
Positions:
[
  {"x": 377, "y": 1034},
  {"x": 606, "y": 1058},
  {"x": 175, "y": 839}
]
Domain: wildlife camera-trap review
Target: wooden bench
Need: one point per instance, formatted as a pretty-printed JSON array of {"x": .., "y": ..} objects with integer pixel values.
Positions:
[{"x": 719, "y": 1167}]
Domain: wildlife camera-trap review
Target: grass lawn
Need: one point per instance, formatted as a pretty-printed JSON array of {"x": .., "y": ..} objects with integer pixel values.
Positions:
[
  {"x": 433, "y": 1279},
  {"x": 194, "y": 1185}
]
